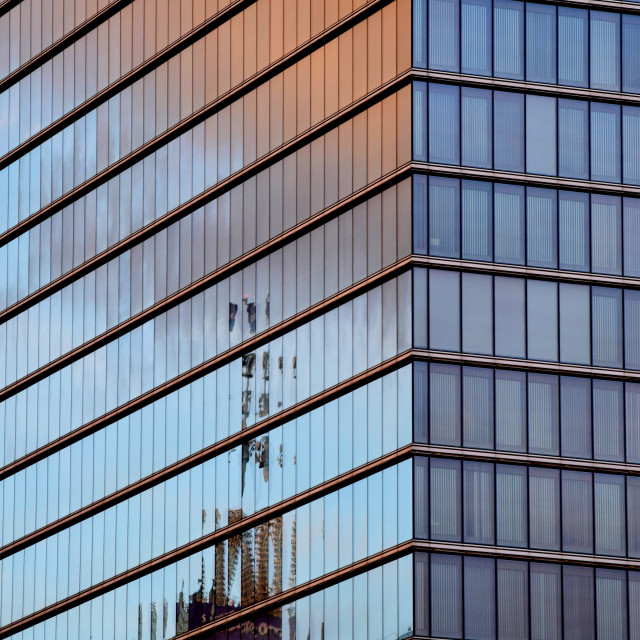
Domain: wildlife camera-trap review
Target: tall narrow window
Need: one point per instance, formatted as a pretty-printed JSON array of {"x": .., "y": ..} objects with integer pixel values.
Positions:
[
  {"x": 606, "y": 238},
  {"x": 478, "y": 495},
  {"x": 631, "y": 207},
  {"x": 546, "y": 610},
  {"x": 541, "y": 135},
  {"x": 476, "y": 37},
  {"x": 633, "y": 515},
  {"x": 477, "y": 220},
  {"x": 632, "y": 329},
  {"x": 444, "y": 404},
  {"x": 573, "y": 46},
  {"x": 632, "y": 421},
  {"x": 543, "y": 414},
  {"x": 577, "y": 512},
  {"x": 542, "y": 320},
  {"x": 444, "y": 310},
  {"x": 542, "y": 225},
  {"x": 578, "y": 590},
  {"x": 541, "y": 43},
  {"x": 610, "y": 525},
  {"x": 630, "y": 147},
  {"x": 605, "y": 142},
  {"x": 421, "y": 594},
  {"x": 477, "y": 318},
  {"x": 509, "y": 316},
  {"x": 479, "y": 598},
  {"x": 509, "y": 223},
  {"x": 511, "y": 410},
  {"x": 508, "y": 39},
  {"x": 446, "y": 596},
  {"x": 443, "y": 35},
  {"x": 477, "y": 407},
  {"x": 508, "y": 131},
  {"x": 511, "y": 505},
  {"x": 513, "y": 600},
  {"x": 444, "y": 123},
  {"x": 611, "y": 603},
  {"x": 476, "y": 127},
  {"x": 420, "y": 214},
  {"x": 445, "y": 500},
  {"x": 573, "y": 138},
  {"x": 575, "y": 323},
  {"x": 606, "y": 319},
  {"x": 444, "y": 217},
  {"x": 420, "y": 121},
  {"x": 575, "y": 417},
  {"x": 630, "y": 59},
  {"x": 419, "y": 22},
  {"x": 421, "y": 497},
  {"x": 544, "y": 508},
  {"x": 608, "y": 420},
  {"x": 573, "y": 223},
  {"x": 604, "y": 46}
]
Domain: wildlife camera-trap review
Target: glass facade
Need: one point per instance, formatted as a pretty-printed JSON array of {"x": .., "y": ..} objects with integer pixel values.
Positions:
[{"x": 319, "y": 320}]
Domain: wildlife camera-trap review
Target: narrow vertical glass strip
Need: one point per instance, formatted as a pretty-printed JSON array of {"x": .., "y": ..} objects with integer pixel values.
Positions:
[
  {"x": 476, "y": 127},
  {"x": 630, "y": 146},
  {"x": 542, "y": 226},
  {"x": 420, "y": 214},
  {"x": 421, "y": 497},
  {"x": 605, "y": 142},
  {"x": 444, "y": 404},
  {"x": 610, "y": 522},
  {"x": 606, "y": 322},
  {"x": 477, "y": 313},
  {"x": 445, "y": 500},
  {"x": 421, "y": 402},
  {"x": 419, "y": 22},
  {"x": 630, "y": 59},
  {"x": 444, "y": 310},
  {"x": 631, "y": 225},
  {"x": 577, "y": 511},
  {"x": 632, "y": 421},
  {"x": 511, "y": 506},
  {"x": 606, "y": 236},
  {"x": 444, "y": 217},
  {"x": 421, "y": 580},
  {"x": 420, "y": 121},
  {"x": 444, "y": 123},
  {"x": 478, "y": 502},
  {"x": 542, "y": 320},
  {"x": 631, "y": 329}
]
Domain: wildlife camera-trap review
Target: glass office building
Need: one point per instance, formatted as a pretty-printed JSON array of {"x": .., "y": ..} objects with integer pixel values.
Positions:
[{"x": 319, "y": 319}]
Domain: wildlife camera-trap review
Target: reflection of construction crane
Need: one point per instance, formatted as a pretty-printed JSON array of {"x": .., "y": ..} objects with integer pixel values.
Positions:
[{"x": 263, "y": 400}]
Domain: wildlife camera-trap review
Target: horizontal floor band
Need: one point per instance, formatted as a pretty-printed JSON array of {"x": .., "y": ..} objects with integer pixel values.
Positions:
[
  {"x": 278, "y": 330},
  {"x": 224, "y": 533},
  {"x": 216, "y": 449},
  {"x": 59, "y": 45},
  {"x": 202, "y": 114}
]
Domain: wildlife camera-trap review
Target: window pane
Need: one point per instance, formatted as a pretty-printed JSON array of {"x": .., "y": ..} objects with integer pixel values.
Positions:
[
  {"x": 574, "y": 324},
  {"x": 606, "y": 313},
  {"x": 573, "y": 138},
  {"x": 477, "y": 307},
  {"x": 477, "y": 407},
  {"x": 509, "y": 223},
  {"x": 573, "y": 43},
  {"x": 630, "y": 147},
  {"x": 605, "y": 50},
  {"x": 606, "y": 240},
  {"x": 544, "y": 508},
  {"x": 605, "y": 142},
  {"x": 421, "y": 402},
  {"x": 479, "y": 598},
  {"x": 508, "y": 39},
  {"x": 476, "y": 37},
  {"x": 477, "y": 220},
  {"x": 420, "y": 121},
  {"x": 541, "y": 135},
  {"x": 609, "y": 499},
  {"x": 508, "y": 131},
  {"x": 445, "y": 500},
  {"x": 513, "y": 600},
  {"x": 542, "y": 226},
  {"x": 632, "y": 329},
  {"x": 542, "y": 320},
  {"x": 633, "y": 517},
  {"x": 444, "y": 404},
  {"x": 578, "y": 603},
  {"x": 511, "y": 505},
  {"x": 444, "y": 217},
  {"x": 630, "y": 59},
  {"x": 478, "y": 502},
  {"x": 420, "y": 328},
  {"x": 420, "y": 213},
  {"x": 631, "y": 237},
  {"x": 446, "y": 596},
  {"x": 541, "y": 43},
  {"x": 574, "y": 231},
  {"x": 577, "y": 512},
  {"x": 443, "y": 35},
  {"x": 543, "y": 414},
  {"x": 632, "y": 420},
  {"x": 511, "y": 411},
  {"x": 545, "y": 601},
  {"x": 419, "y": 21},
  {"x": 608, "y": 420},
  {"x": 421, "y": 497},
  {"x": 444, "y": 310},
  {"x": 476, "y": 127},
  {"x": 611, "y": 603},
  {"x": 444, "y": 123},
  {"x": 509, "y": 316},
  {"x": 575, "y": 417}
]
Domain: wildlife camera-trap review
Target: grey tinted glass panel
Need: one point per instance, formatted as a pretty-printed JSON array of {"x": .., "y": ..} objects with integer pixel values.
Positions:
[
  {"x": 630, "y": 60},
  {"x": 573, "y": 46},
  {"x": 508, "y": 131},
  {"x": 573, "y": 217},
  {"x": 509, "y": 316},
  {"x": 511, "y": 410},
  {"x": 604, "y": 46},
  {"x": 542, "y": 320},
  {"x": 577, "y": 512},
  {"x": 420, "y": 214},
  {"x": 513, "y": 600},
  {"x": 543, "y": 414},
  {"x": 546, "y": 611},
  {"x": 608, "y": 420},
  {"x": 630, "y": 137},
  {"x": 632, "y": 421},
  {"x": 443, "y": 35},
  {"x": 605, "y": 142},
  {"x": 611, "y": 603},
  {"x": 476, "y": 37},
  {"x": 542, "y": 225},
  {"x": 420, "y": 115},
  {"x": 477, "y": 220},
  {"x": 573, "y": 138},
  {"x": 478, "y": 496},
  {"x": 632, "y": 329},
  {"x": 446, "y": 596},
  {"x": 508, "y": 39},
  {"x": 541, "y": 43},
  {"x": 610, "y": 525},
  {"x": 633, "y": 517},
  {"x": 544, "y": 508},
  {"x": 445, "y": 501},
  {"x": 444, "y": 310},
  {"x": 477, "y": 407},
  {"x": 479, "y": 598},
  {"x": 575, "y": 310},
  {"x": 511, "y": 505},
  {"x": 578, "y": 591},
  {"x": 509, "y": 224},
  {"x": 541, "y": 135},
  {"x": 444, "y": 404},
  {"x": 476, "y": 127},
  {"x": 606, "y": 239},
  {"x": 444, "y": 217},
  {"x": 444, "y": 123},
  {"x": 606, "y": 318},
  {"x": 631, "y": 208},
  {"x": 477, "y": 313},
  {"x": 575, "y": 417}
]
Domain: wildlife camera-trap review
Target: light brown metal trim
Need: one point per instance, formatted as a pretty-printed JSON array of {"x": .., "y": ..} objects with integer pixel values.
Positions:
[
  {"x": 7, "y": 5},
  {"x": 213, "y": 107},
  {"x": 527, "y": 86},
  {"x": 506, "y": 457},
  {"x": 496, "y": 362},
  {"x": 219, "y": 447},
  {"x": 67, "y": 40},
  {"x": 215, "y": 537},
  {"x": 216, "y": 362},
  {"x": 604, "y": 5}
]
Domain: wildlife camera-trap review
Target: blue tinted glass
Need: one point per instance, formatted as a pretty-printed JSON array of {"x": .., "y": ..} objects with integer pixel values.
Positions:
[
  {"x": 508, "y": 39},
  {"x": 611, "y": 603},
  {"x": 541, "y": 43},
  {"x": 511, "y": 410},
  {"x": 630, "y": 146},
  {"x": 508, "y": 131},
  {"x": 632, "y": 329},
  {"x": 477, "y": 407},
  {"x": 476, "y": 127},
  {"x": 420, "y": 121},
  {"x": 444, "y": 217},
  {"x": 606, "y": 237},
  {"x": 544, "y": 508},
  {"x": 542, "y": 320},
  {"x": 510, "y": 316},
  {"x": 606, "y": 321},
  {"x": 419, "y": 21},
  {"x": 577, "y": 512},
  {"x": 541, "y": 135},
  {"x": 546, "y": 610},
  {"x": 608, "y": 420},
  {"x": 421, "y": 402},
  {"x": 444, "y": 123},
  {"x": 446, "y": 596},
  {"x": 605, "y": 142},
  {"x": 508, "y": 223},
  {"x": 477, "y": 220},
  {"x": 609, "y": 499},
  {"x": 632, "y": 430},
  {"x": 420, "y": 200},
  {"x": 477, "y": 319},
  {"x": 574, "y": 324},
  {"x": 604, "y": 46},
  {"x": 476, "y": 37},
  {"x": 445, "y": 502},
  {"x": 573, "y": 240},
  {"x": 630, "y": 58},
  {"x": 573, "y": 46},
  {"x": 479, "y": 598},
  {"x": 420, "y": 326},
  {"x": 573, "y": 139},
  {"x": 443, "y": 35},
  {"x": 542, "y": 225},
  {"x": 543, "y": 414},
  {"x": 444, "y": 310},
  {"x": 575, "y": 417},
  {"x": 513, "y": 599},
  {"x": 631, "y": 236},
  {"x": 444, "y": 404}
]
